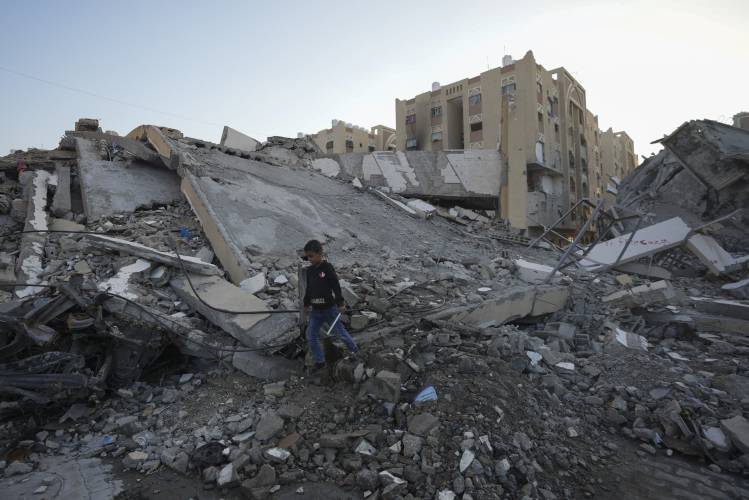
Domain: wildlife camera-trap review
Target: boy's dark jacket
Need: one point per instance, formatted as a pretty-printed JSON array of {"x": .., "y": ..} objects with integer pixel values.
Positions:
[{"x": 323, "y": 288}]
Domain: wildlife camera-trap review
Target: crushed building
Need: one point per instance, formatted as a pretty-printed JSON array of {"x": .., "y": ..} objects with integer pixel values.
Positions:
[{"x": 150, "y": 289}]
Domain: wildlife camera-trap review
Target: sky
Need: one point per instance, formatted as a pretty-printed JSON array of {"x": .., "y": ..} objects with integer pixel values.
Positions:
[{"x": 278, "y": 68}]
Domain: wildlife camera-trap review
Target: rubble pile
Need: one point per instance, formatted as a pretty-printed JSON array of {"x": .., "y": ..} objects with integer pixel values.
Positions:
[
  {"x": 700, "y": 175},
  {"x": 150, "y": 321}
]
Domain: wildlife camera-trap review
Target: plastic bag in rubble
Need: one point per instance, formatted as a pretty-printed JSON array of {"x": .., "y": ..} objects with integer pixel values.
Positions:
[{"x": 428, "y": 393}]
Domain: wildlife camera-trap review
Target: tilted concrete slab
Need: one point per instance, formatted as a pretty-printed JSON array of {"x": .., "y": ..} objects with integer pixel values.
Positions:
[
  {"x": 252, "y": 330},
  {"x": 137, "y": 148},
  {"x": 646, "y": 241},
  {"x": 660, "y": 292},
  {"x": 515, "y": 303},
  {"x": 710, "y": 253},
  {"x": 649, "y": 271},
  {"x": 192, "y": 264},
  {"x": 108, "y": 188},
  {"x": 730, "y": 308},
  {"x": 158, "y": 138},
  {"x": 235, "y": 139},
  {"x": 256, "y": 365},
  {"x": 450, "y": 174}
]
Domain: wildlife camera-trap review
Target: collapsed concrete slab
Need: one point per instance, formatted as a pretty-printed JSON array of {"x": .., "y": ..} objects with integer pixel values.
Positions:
[
  {"x": 738, "y": 289},
  {"x": 397, "y": 204},
  {"x": 31, "y": 255},
  {"x": 132, "y": 146},
  {"x": 252, "y": 330},
  {"x": 470, "y": 174},
  {"x": 232, "y": 138},
  {"x": 257, "y": 365},
  {"x": 120, "y": 285},
  {"x": 514, "y": 304},
  {"x": 533, "y": 273},
  {"x": 730, "y": 308},
  {"x": 712, "y": 255},
  {"x": 659, "y": 292},
  {"x": 159, "y": 139},
  {"x": 108, "y": 188},
  {"x": 192, "y": 264},
  {"x": 646, "y": 270},
  {"x": 647, "y": 241}
]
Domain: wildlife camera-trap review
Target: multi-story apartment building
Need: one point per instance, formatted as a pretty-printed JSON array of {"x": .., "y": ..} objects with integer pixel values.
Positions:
[
  {"x": 618, "y": 160},
  {"x": 539, "y": 121},
  {"x": 344, "y": 137}
]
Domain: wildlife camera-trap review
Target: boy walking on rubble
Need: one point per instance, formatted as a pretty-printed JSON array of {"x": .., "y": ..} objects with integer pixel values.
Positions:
[{"x": 323, "y": 295}]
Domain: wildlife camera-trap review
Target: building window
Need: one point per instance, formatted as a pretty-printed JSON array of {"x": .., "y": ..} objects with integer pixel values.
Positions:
[
  {"x": 361, "y": 145},
  {"x": 508, "y": 89},
  {"x": 540, "y": 122},
  {"x": 475, "y": 127},
  {"x": 329, "y": 146},
  {"x": 571, "y": 159},
  {"x": 540, "y": 153},
  {"x": 436, "y": 111},
  {"x": 371, "y": 148},
  {"x": 436, "y": 136},
  {"x": 411, "y": 143},
  {"x": 556, "y": 131},
  {"x": 410, "y": 119},
  {"x": 349, "y": 146},
  {"x": 474, "y": 100}
]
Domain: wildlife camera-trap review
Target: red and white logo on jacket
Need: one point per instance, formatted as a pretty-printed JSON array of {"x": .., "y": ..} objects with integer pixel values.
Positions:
[{"x": 322, "y": 274}]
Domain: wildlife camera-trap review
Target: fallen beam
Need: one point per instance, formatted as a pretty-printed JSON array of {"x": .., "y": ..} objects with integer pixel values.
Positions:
[
  {"x": 31, "y": 253},
  {"x": 232, "y": 257},
  {"x": 730, "y": 308},
  {"x": 646, "y": 241},
  {"x": 61, "y": 204},
  {"x": 511, "y": 305},
  {"x": 252, "y": 330},
  {"x": 192, "y": 264}
]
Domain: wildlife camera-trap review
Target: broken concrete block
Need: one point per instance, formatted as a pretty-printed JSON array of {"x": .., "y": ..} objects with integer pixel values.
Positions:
[
  {"x": 392, "y": 201},
  {"x": 515, "y": 303},
  {"x": 120, "y": 285},
  {"x": 191, "y": 264},
  {"x": 618, "y": 338},
  {"x": 710, "y": 253},
  {"x": 422, "y": 208},
  {"x": 349, "y": 296},
  {"x": 533, "y": 273},
  {"x": 737, "y": 428},
  {"x": 646, "y": 270},
  {"x": 65, "y": 225},
  {"x": 385, "y": 386},
  {"x": 730, "y": 308},
  {"x": 660, "y": 292},
  {"x": 88, "y": 124},
  {"x": 646, "y": 241},
  {"x": 265, "y": 367},
  {"x": 109, "y": 188},
  {"x": 252, "y": 330},
  {"x": 61, "y": 201},
  {"x": 254, "y": 284},
  {"x": 422, "y": 424},
  {"x": 739, "y": 289},
  {"x": 237, "y": 140}
]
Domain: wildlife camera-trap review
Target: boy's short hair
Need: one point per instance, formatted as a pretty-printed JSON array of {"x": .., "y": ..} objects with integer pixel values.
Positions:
[{"x": 313, "y": 246}]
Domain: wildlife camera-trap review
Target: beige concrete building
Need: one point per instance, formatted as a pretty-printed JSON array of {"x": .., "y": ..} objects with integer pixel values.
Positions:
[
  {"x": 344, "y": 137},
  {"x": 617, "y": 161},
  {"x": 539, "y": 121}
]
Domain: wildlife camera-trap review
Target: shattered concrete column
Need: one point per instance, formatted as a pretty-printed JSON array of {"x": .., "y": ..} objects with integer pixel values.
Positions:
[
  {"x": 61, "y": 202},
  {"x": 31, "y": 253}
]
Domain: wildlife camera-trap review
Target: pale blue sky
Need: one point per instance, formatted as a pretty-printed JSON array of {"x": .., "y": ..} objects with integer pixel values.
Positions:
[{"x": 269, "y": 68}]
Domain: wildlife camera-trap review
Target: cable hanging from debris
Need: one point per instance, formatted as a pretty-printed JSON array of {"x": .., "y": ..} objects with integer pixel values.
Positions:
[
  {"x": 99, "y": 96},
  {"x": 181, "y": 265}
]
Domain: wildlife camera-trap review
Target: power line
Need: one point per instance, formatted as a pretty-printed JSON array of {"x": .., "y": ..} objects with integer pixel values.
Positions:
[{"x": 111, "y": 99}]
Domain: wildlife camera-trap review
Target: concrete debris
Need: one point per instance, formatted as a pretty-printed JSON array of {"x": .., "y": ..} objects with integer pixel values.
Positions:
[{"x": 473, "y": 378}]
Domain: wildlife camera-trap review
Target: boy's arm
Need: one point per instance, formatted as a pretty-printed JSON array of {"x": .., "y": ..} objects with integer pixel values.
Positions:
[
  {"x": 335, "y": 285},
  {"x": 306, "y": 300}
]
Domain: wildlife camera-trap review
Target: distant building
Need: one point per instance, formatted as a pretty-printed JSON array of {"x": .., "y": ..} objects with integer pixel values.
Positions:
[
  {"x": 741, "y": 120},
  {"x": 538, "y": 120},
  {"x": 344, "y": 137}
]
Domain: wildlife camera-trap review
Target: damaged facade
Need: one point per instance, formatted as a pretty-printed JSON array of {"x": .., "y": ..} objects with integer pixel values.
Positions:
[
  {"x": 554, "y": 152},
  {"x": 150, "y": 323}
]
